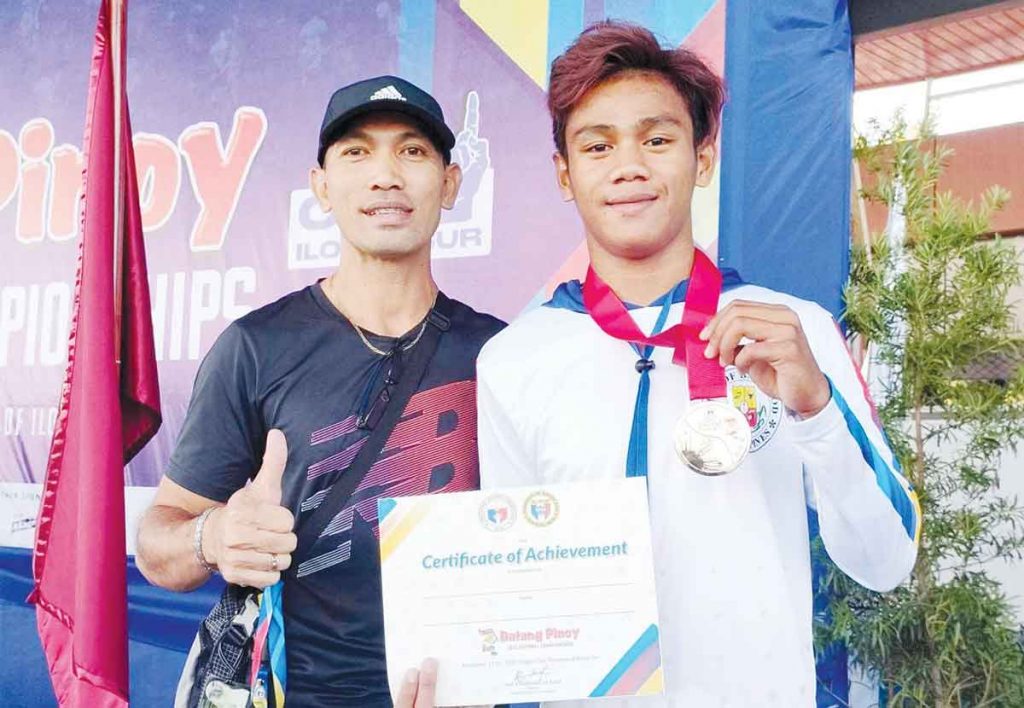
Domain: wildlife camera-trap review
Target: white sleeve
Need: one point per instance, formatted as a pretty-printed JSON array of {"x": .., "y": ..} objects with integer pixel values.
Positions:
[
  {"x": 868, "y": 513},
  {"x": 504, "y": 458}
]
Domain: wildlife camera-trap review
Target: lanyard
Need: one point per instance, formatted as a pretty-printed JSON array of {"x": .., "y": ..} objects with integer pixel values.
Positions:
[
  {"x": 636, "y": 455},
  {"x": 706, "y": 377}
]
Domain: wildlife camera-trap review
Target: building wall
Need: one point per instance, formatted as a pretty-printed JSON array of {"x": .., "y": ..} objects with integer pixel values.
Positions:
[{"x": 980, "y": 159}]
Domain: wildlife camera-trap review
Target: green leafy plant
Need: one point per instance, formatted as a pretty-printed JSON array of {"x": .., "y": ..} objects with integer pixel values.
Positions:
[{"x": 934, "y": 309}]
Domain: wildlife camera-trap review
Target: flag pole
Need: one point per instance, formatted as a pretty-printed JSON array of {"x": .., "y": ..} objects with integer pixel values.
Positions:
[{"x": 117, "y": 43}]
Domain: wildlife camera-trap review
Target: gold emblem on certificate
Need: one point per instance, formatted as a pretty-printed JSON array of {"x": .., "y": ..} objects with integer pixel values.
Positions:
[{"x": 712, "y": 437}]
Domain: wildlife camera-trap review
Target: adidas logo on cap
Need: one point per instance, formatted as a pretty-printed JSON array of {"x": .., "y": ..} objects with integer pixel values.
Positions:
[{"x": 389, "y": 92}]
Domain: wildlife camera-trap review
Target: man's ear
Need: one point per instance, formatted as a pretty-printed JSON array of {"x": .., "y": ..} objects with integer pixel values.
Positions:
[
  {"x": 452, "y": 182},
  {"x": 562, "y": 176},
  {"x": 707, "y": 157},
  {"x": 318, "y": 185}
]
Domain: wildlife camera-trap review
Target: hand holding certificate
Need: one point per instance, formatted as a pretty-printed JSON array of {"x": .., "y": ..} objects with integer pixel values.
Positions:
[{"x": 535, "y": 593}]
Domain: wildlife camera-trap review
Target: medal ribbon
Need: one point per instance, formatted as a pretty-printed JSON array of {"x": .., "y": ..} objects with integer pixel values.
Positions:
[{"x": 706, "y": 377}]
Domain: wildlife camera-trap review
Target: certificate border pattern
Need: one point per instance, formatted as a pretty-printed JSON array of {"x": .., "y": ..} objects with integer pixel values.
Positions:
[{"x": 638, "y": 672}]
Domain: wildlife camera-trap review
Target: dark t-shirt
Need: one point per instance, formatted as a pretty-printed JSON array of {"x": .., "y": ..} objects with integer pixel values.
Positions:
[{"x": 298, "y": 365}]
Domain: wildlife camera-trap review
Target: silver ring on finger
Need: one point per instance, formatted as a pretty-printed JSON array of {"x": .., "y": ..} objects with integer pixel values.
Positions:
[{"x": 273, "y": 562}]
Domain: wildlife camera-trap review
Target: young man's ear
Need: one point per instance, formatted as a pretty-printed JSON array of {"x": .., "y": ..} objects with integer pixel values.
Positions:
[
  {"x": 707, "y": 156},
  {"x": 452, "y": 182},
  {"x": 318, "y": 185},
  {"x": 562, "y": 176}
]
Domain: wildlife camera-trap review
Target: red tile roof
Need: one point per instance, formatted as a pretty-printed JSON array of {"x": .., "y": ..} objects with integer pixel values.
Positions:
[{"x": 947, "y": 45}]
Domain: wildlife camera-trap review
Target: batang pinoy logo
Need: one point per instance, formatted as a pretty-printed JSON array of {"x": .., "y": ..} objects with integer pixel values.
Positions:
[
  {"x": 489, "y": 639},
  {"x": 541, "y": 509},
  {"x": 763, "y": 413},
  {"x": 497, "y": 513}
]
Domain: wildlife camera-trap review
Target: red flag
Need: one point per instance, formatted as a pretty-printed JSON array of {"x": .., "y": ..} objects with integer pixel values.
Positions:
[{"x": 107, "y": 412}]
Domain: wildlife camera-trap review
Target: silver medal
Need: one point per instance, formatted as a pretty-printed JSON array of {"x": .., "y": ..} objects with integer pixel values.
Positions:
[{"x": 712, "y": 437}]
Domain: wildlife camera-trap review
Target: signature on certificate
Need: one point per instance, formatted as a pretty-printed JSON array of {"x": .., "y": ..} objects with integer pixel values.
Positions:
[{"x": 534, "y": 677}]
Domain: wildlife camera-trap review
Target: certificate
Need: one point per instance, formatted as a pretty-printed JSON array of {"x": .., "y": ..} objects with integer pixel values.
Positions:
[{"x": 526, "y": 594}]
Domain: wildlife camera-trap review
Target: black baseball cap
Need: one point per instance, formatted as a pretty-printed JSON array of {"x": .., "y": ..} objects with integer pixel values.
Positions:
[{"x": 384, "y": 93}]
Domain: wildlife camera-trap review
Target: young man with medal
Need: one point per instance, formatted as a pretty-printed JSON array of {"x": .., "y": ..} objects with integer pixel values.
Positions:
[
  {"x": 740, "y": 405},
  {"x": 364, "y": 379}
]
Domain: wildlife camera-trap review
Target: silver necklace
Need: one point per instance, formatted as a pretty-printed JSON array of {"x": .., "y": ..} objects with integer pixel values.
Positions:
[
  {"x": 381, "y": 352},
  {"x": 367, "y": 342}
]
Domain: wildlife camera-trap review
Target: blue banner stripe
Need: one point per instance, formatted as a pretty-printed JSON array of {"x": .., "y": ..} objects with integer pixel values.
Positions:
[
  {"x": 416, "y": 31},
  {"x": 565, "y": 22},
  {"x": 672, "y": 21},
  {"x": 649, "y": 637},
  {"x": 884, "y": 474},
  {"x": 786, "y": 138},
  {"x": 833, "y": 684}
]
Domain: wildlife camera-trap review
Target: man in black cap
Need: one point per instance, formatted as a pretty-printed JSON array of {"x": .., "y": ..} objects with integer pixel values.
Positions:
[{"x": 289, "y": 393}]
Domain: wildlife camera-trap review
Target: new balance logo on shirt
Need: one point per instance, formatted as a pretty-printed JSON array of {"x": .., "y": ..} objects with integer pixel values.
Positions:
[{"x": 388, "y": 92}]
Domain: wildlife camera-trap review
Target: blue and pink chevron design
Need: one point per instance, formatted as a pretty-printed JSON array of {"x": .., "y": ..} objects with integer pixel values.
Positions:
[{"x": 638, "y": 672}]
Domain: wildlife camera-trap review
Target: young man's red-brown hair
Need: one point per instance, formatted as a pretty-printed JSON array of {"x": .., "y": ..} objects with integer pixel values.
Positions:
[{"x": 609, "y": 48}]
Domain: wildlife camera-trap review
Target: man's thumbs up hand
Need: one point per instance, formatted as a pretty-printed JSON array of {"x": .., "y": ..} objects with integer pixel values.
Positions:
[
  {"x": 267, "y": 483},
  {"x": 250, "y": 540}
]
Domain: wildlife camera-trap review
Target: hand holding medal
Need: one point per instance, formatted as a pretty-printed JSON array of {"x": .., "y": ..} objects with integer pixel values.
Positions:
[
  {"x": 712, "y": 436},
  {"x": 767, "y": 343}
]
